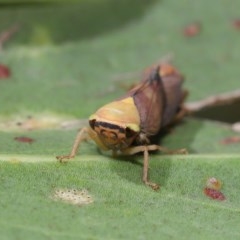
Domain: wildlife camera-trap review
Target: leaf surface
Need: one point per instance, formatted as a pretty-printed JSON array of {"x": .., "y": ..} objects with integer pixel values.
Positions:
[{"x": 64, "y": 61}]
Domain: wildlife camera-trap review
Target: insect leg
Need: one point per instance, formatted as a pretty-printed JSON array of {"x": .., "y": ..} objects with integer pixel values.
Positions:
[
  {"x": 153, "y": 147},
  {"x": 166, "y": 150},
  {"x": 81, "y": 136},
  {"x": 144, "y": 149},
  {"x": 153, "y": 185}
]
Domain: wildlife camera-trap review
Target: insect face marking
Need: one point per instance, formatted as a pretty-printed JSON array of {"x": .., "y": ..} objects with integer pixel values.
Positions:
[{"x": 113, "y": 136}]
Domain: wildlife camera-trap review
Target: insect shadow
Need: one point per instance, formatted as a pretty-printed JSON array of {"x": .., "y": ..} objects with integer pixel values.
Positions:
[
  {"x": 130, "y": 167},
  {"x": 181, "y": 135}
]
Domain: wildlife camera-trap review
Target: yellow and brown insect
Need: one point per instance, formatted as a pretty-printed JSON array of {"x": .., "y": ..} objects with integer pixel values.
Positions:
[{"x": 126, "y": 126}]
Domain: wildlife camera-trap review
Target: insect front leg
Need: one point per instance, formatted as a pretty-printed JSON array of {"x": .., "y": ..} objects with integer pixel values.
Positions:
[
  {"x": 81, "y": 136},
  {"x": 145, "y": 150}
]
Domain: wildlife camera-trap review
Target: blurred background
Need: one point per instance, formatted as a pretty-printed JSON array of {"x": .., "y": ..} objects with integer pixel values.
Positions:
[{"x": 61, "y": 53}]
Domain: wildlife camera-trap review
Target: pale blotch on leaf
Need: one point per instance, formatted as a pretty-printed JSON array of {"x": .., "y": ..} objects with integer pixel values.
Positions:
[
  {"x": 236, "y": 127},
  {"x": 44, "y": 120},
  {"x": 14, "y": 161},
  {"x": 73, "y": 196},
  {"x": 213, "y": 183}
]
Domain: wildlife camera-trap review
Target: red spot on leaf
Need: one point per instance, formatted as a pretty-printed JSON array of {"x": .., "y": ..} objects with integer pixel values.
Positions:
[
  {"x": 236, "y": 24},
  {"x": 230, "y": 140},
  {"x": 24, "y": 139},
  {"x": 4, "y": 71},
  {"x": 192, "y": 30},
  {"x": 214, "y": 194}
]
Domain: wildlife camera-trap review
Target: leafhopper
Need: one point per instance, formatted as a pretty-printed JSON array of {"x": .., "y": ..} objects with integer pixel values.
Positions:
[{"x": 128, "y": 125}]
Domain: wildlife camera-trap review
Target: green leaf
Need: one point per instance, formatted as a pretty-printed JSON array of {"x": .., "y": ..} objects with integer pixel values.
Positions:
[
  {"x": 123, "y": 207},
  {"x": 64, "y": 61}
]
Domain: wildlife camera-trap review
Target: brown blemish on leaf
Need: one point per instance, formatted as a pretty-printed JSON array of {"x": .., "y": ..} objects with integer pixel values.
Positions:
[
  {"x": 73, "y": 196},
  {"x": 24, "y": 139},
  {"x": 230, "y": 140},
  {"x": 212, "y": 189},
  {"x": 236, "y": 24},
  {"x": 4, "y": 72},
  {"x": 214, "y": 194},
  {"x": 7, "y": 34},
  {"x": 192, "y": 29}
]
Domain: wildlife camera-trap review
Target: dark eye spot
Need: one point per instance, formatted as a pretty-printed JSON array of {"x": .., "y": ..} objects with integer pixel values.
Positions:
[
  {"x": 103, "y": 133},
  {"x": 108, "y": 134},
  {"x": 129, "y": 132},
  {"x": 113, "y": 135},
  {"x": 92, "y": 123}
]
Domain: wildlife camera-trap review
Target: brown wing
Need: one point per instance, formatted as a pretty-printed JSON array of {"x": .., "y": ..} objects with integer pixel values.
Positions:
[
  {"x": 149, "y": 98},
  {"x": 172, "y": 82}
]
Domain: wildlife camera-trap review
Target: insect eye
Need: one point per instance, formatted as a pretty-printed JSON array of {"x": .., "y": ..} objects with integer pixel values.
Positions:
[
  {"x": 92, "y": 123},
  {"x": 129, "y": 132}
]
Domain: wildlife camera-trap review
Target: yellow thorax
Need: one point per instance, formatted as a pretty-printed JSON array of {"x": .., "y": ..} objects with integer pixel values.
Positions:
[{"x": 122, "y": 113}]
